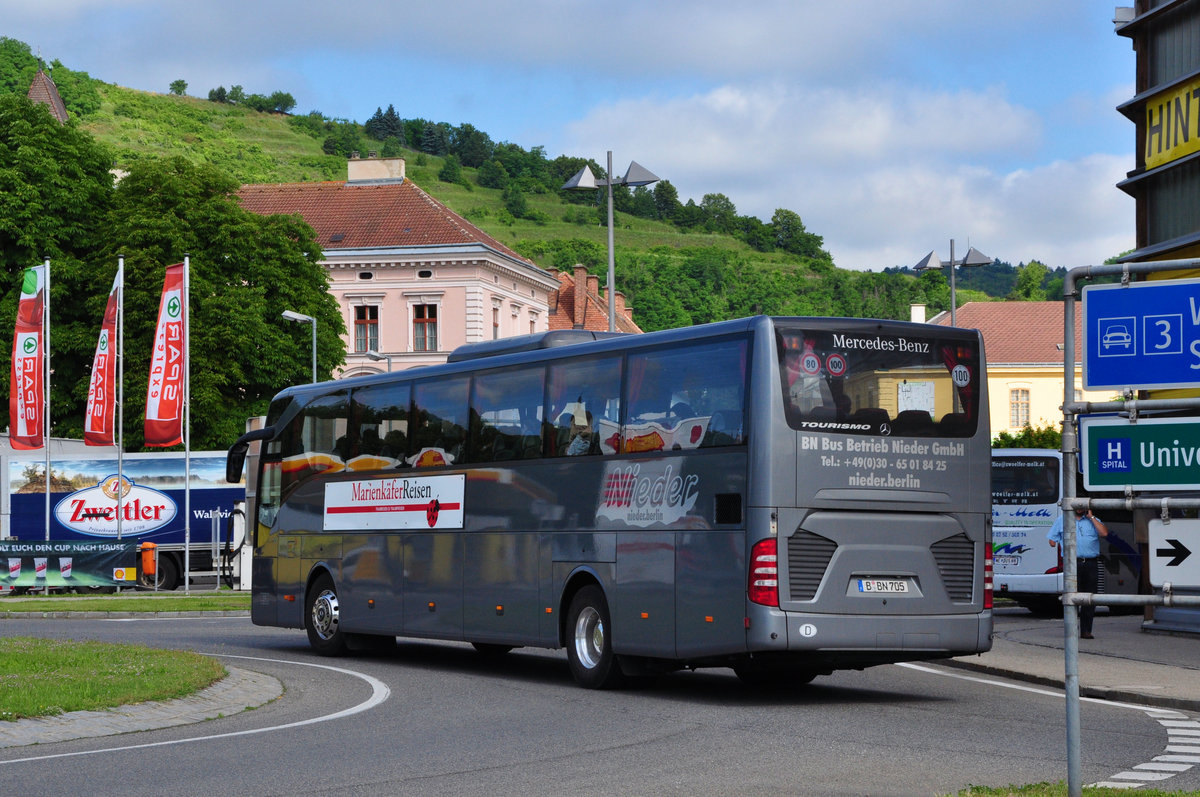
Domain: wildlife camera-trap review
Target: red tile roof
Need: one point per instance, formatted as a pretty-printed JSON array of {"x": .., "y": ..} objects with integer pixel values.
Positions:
[
  {"x": 43, "y": 90},
  {"x": 1018, "y": 332},
  {"x": 368, "y": 215}
]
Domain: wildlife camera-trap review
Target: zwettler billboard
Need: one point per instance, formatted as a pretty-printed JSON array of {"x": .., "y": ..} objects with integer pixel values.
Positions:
[{"x": 87, "y": 498}]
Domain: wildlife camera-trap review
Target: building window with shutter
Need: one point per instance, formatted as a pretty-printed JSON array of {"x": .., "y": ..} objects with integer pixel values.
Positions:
[
  {"x": 366, "y": 328},
  {"x": 425, "y": 336},
  {"x": 495, "y": 323},
  {"x": 1018, "y": 408}
]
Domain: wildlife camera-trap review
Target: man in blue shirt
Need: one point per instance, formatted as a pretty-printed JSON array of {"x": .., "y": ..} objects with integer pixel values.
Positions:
[{"x": 1088, "y": 531}]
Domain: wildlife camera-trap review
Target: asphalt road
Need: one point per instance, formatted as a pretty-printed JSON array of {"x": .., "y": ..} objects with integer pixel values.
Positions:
[{"x": 436, "y": 718}]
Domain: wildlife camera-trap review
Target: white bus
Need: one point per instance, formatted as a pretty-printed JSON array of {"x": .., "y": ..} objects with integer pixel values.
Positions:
[{"x": 1027, "y": 493}]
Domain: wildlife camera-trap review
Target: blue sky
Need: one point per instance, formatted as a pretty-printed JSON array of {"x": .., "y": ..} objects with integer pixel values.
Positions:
[{"x": 890, "y": 126}]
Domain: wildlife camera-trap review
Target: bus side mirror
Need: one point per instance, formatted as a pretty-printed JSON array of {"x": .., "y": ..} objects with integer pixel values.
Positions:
[{"x": 236, "y": 458}]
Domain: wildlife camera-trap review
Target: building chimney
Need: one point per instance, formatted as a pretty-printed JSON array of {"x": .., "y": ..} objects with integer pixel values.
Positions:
[
  {"x": 916, "y": 313},
  {"x": 581, "y": 281},
  {"x": 375, "y": 170},
  {"x": 622, "y": 311}
]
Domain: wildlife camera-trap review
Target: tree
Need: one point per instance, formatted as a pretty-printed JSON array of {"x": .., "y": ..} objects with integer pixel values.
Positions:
[
  {"x": 393, "y": 125},
  {"x": 373, "y": 127},
  {"x": 1029, "y": 283},
  {"x": 1030, "y": 437},
  {"x": 666, "y": 200},
  {"x": 720, "y": 214},
  {"x": 514, "y": 201},
  {"x": 492, "y": 174},
  {"x": 54, "y": 180},
  {"x": 55, "y": 188},
  {"x": 18, "y": 65},
  {"x": 236, "y": 94},
  {"x": 218, "y": 94},
  {"x": 472, "y": 146},
  {"x": 179, "y": 87},
  {"x": 245, "y": 270},
  {"x": 282, "y": 101},
  {"x": 790, "y": 235},
  {"x": 451, "y": 171},
  {"x": 435, "y": 138}
]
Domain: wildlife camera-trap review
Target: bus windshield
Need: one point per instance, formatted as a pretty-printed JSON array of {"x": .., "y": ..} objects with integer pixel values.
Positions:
[
  {"x": 1025, "y": 480},
  {"x": 879, "y": 382}
]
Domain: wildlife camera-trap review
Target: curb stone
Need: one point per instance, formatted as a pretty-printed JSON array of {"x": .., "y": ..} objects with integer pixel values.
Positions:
[{"x": 238, "y": 691}]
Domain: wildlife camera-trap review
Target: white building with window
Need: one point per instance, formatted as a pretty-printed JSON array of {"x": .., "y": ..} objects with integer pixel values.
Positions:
[
  {"x": 413, "y": 278},
  {"x": 1023, "y": 342}
]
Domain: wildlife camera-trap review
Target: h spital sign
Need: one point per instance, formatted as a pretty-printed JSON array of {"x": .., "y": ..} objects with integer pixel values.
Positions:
[{"x": 1151, "y": 454}]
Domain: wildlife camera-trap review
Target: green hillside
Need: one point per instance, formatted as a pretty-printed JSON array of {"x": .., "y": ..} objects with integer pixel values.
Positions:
[{"x": 679, "y": 261}]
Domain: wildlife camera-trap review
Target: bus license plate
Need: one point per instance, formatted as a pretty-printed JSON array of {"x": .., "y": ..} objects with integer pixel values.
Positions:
[{"x": 882, "y": 586}]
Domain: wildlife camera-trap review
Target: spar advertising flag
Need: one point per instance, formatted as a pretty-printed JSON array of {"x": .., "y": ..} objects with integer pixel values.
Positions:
[
  {"x": 26, "y": 397},
  {"x": 164, "y": 399},
  {"x": 101, "y": 403}
]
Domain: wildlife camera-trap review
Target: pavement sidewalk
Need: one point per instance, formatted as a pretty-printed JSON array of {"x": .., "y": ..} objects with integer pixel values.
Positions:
[{"x": 1123, "y": 662}]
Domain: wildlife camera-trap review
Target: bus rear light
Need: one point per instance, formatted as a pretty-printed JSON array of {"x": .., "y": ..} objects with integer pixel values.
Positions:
[
  {"x": 1058, "y": 568},
  {"x": 763, "y": 586},
  {"x": 988, "y": 593}
]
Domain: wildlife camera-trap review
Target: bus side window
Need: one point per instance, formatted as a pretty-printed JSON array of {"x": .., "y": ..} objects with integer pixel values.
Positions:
[
  {"x": 317, "y": 441},
  {"x": 440, "y": 431},
  {"x": 686, "y": 397},
  {"x": 583, "y": 388},
  {"x": 506, "y": 415},
  {"x": 380, "y": 415}
]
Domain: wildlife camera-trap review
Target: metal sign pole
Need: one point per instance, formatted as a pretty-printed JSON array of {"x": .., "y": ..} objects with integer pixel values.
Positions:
[{"x": 1070, "y": 570}]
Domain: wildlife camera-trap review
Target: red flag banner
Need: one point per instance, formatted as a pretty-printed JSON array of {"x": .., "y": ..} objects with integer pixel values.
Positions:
[
  {"x": 164, "y": 399},
  {"x": 101, "y": 400},
  {"x": 26, "y": 397}
]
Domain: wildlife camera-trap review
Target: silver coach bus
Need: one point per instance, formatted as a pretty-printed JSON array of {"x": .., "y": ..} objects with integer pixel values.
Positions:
[{"x": 782, "y": 496}]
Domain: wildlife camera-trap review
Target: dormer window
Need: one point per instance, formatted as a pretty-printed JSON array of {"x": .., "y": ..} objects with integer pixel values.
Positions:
[{"x": 336, "y": 237}]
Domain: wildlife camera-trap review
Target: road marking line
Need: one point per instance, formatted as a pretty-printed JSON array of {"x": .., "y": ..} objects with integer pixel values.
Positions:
[
  {"x": 1162, "y": 766},
  {"x": 1177, "y": 724},
  {"x": 379, "y": 693}
]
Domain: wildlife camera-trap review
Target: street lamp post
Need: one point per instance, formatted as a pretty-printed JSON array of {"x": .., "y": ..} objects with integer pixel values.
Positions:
[
  {"x": 301, "y": 318},
  {"x": 374, "y": 355},
  {"x": 973, "y": 258},
  {"x": 583, "y": 180}
]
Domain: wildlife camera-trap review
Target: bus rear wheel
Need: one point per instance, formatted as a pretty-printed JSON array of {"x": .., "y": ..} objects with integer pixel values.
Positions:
[
  {"x": 589, "y": 641},
  {"x": 322, "y": 618}
]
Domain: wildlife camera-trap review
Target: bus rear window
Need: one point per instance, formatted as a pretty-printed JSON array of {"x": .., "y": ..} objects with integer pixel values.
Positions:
[{"x": 879, "y": 381}]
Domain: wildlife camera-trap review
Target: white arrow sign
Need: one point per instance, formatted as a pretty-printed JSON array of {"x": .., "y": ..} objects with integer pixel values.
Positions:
[{"x": 1175, "y": 553}]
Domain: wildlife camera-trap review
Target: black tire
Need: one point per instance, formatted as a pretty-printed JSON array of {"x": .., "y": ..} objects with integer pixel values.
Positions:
[
  {"x": 589, "y": 641},
  {"x": 322, "y": 618},
  {"x": 166, "y": 575},
  {"x": 1049, "y": 606}
]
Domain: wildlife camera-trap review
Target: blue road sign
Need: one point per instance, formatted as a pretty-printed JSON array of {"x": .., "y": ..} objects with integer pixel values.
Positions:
[{"x": 1144, "y": 335}]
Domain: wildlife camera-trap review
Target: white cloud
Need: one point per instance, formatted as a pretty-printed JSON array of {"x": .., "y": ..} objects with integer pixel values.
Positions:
[{"x": 883, "y": 174}]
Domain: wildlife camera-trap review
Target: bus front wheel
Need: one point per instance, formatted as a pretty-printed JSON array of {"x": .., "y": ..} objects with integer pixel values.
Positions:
[
  {"x": 322, "y": 618},
  {"x": 589, "y": 641}
]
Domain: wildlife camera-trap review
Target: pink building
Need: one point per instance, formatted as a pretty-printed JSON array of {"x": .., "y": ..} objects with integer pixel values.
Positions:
[{"x": 413, "y": 278}]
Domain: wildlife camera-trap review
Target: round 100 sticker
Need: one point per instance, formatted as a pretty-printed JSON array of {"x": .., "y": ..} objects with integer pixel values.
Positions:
[
  {"x": 961, "y": 375},
  {"x": 835, "y": 364}
]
